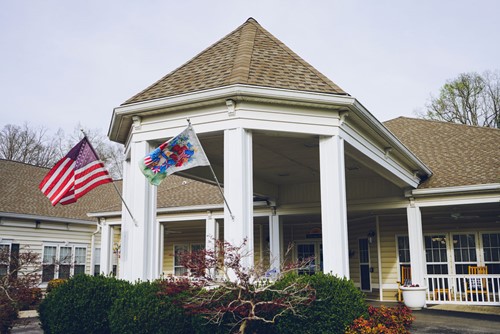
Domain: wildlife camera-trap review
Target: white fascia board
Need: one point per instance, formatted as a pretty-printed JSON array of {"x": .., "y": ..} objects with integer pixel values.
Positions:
[
  {"x": 46, "y": 218},
  {"x": 457, "y": 200},
  {"x": 389, "y": 136},
  {"x": 193, "y": 208},
  {"x": 454, "y": 190},
  {"x": 236, "y": 92}
]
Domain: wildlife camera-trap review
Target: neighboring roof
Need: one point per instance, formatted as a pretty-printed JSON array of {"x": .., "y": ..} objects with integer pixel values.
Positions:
[
  {"x": 457, "y": 154},
  {"x": 249, "y": 55},
  {"x": 19, "y": 194}
]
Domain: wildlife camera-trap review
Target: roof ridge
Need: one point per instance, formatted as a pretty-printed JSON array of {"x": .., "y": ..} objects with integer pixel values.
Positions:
[
  {"x": 244, "y": 53},
  {"x": 186, "y": 63},
  {"x": 442, "y": 122}
]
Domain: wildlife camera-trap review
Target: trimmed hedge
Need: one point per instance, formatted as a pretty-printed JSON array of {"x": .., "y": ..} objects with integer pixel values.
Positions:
[
  {"x": 338, "y": 303},
  {"x": 80, "y": 305},
  {"x": 141, "y": 308}
]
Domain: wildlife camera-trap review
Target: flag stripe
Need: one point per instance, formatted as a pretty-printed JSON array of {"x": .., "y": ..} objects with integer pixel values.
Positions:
[
  {"x": 48, "y": 181},
  {"x": 74, "y": 175}
]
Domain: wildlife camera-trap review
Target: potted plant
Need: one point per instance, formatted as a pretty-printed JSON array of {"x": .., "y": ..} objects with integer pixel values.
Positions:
[{"x": 414, "y": 296}]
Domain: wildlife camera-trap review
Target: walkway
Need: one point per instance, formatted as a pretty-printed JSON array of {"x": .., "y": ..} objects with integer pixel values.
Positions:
[{"x": 449, "y": 319}]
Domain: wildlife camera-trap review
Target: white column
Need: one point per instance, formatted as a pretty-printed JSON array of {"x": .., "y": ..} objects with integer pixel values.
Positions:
[
  {"x": 106, "y": 248},
  {"x": 274, "y": 242},
  {"x": 211, "y": 232},
  {"x": 141, "y": 239},
  {"x": 238, "y": 190},
  {"x": 333, "y": 206},
  {"x": 417, "y": 252}
]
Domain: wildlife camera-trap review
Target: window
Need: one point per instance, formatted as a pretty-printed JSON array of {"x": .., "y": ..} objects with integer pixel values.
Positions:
[
  {"x": 307, "y": 252},
  {"x": 97, "y": 261},
  {"x": 4, "y": 259},
  {"x": 62, "y": 261},
  {"x": 48, "y": 263},
  {"x": 403, "y": 254},
  {"x": 436, "y": 255},
  {"x": 80, "y": 256},
  {"x": 464, "y": 250},
  {"x": 179, "y": 269},
  {"x": 491, "y": 252}
]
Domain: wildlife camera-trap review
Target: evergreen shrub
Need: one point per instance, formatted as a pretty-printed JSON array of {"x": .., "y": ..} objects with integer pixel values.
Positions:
[
  {"x": 80, "y": 305},
  {"x": 143, "y": 308},
  {"x": 338, "y": 303}
]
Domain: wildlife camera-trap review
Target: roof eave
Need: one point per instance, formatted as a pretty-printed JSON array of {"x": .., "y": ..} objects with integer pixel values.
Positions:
[
  {"x": 122, "y": 115},
  {"x": 395, "y": 143},
  {"x": 46, "y": 218}
]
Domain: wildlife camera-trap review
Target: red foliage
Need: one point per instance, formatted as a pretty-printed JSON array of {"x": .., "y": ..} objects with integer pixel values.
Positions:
[{"x": 383, "y": 320}]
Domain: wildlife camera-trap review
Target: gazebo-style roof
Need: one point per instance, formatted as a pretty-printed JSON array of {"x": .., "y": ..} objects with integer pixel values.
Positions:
[{"x": 249, "y": 55}]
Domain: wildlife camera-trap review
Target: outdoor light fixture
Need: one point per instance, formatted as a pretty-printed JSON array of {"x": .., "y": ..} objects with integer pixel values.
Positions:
[{"x": 371, "y": 235}]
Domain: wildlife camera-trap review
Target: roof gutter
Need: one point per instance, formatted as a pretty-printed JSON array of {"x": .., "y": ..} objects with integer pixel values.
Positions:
[
  {"x": 45, "y": 218},
  {"x": 494, "y": 187}
]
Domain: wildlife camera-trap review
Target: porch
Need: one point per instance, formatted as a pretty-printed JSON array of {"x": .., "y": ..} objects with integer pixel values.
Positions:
[{"x": 463, "y": 289}]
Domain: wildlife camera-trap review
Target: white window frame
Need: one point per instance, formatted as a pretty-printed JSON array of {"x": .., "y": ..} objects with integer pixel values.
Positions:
[
  {"x": 481, "y": 253},
  {"x": 56, "y": 260},
  {"x": 397, "y": 254},
  {"x": 477, "y": 247},
  {"x": 188, "y": 248},
  {"x": 8, "y": 244},
  {"x": 446, "y": 262}
]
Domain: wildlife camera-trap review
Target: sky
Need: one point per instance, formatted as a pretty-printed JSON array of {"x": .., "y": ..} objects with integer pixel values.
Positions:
[{"x": 68, "y": 62}]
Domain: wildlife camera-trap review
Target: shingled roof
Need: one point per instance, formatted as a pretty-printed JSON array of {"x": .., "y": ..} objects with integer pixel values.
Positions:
[
  {"x": 457, "y": 154},
  {"x": 20, "y": 194},
  {"x": 249, "y": 55}
]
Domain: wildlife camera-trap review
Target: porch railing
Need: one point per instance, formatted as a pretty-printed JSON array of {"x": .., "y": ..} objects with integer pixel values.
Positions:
[{"x": 463, "y": 289}]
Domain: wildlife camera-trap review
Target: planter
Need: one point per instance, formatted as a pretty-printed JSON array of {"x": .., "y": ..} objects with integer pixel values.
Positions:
[{"x": 414, "y": 296}]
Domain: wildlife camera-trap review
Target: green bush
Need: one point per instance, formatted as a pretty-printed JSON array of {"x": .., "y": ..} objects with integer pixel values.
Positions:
[
  {"x": 80, "y": 305},
  {"x": 338, "y": 302},
  {"x": 141, "y": 308}
]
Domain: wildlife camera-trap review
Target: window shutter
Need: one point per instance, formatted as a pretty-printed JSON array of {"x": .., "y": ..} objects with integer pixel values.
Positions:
[{"x": 14, "y": 260}]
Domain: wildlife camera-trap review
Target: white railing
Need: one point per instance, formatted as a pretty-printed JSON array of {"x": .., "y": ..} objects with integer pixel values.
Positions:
[{"x": 463, "y": 289}]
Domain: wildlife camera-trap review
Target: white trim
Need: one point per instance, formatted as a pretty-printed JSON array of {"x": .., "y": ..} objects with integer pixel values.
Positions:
[
  {"x": 453, "y": 190},
  {"x": 46, "y": 218},
  {"x": 221, "y": 93}
]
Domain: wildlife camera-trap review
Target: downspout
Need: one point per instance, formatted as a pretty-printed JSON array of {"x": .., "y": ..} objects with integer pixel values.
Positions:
[{"x": 92, "y": 248}]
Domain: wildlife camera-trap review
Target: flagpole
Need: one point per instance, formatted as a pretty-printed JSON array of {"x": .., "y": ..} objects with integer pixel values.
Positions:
[
  {"x": 215, "y": 178},
  {"x": 113, "y": 182}
]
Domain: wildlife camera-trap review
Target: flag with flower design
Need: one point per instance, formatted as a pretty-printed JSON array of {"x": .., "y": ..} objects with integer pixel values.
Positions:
[{"x": 179, "y": 153}]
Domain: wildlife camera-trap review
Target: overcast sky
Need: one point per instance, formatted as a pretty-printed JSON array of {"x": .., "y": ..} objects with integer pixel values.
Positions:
[{"x": 64, "y": 62}]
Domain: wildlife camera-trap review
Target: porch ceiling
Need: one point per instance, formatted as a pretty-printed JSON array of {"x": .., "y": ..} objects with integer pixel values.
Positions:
[{"x": 282, "y": 159}]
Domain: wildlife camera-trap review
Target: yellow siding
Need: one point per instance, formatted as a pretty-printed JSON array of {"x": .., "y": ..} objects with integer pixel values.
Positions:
[{"x": 32, "y": 237}]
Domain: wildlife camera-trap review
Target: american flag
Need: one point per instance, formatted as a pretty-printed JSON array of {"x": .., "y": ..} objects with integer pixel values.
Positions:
[{"x": 76, "y": 174}]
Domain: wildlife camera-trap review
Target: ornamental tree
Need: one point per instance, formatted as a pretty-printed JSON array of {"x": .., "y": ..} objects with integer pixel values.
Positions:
[{"x": 237, "y": 296}]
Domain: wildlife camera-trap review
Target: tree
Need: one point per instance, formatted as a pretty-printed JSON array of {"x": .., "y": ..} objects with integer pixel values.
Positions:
[
  {"x": 28, "y": 145},
  {"x": 35, "y": 146},
  {"x": 19, "y": 279},
  {"x": 238, "y": 296},
  {"x": 470, "y": 98}
]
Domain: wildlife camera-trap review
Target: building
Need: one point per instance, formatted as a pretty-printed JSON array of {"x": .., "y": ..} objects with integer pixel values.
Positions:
[{"x": 303, "y": 162}]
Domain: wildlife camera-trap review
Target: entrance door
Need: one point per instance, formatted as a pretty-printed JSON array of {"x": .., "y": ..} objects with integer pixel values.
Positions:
[{"x": 364, "y": 265}]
